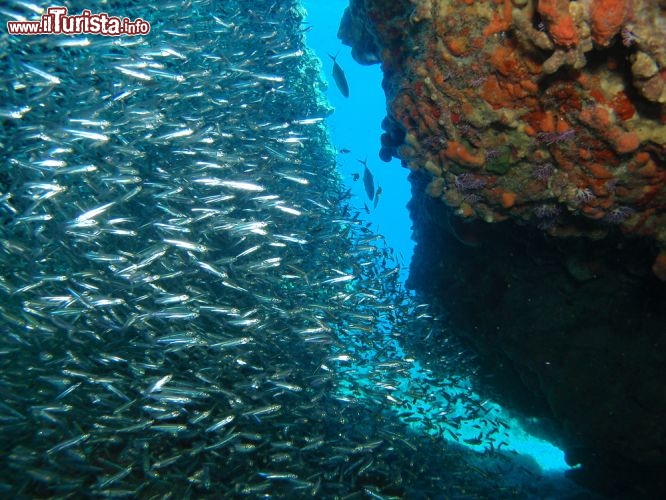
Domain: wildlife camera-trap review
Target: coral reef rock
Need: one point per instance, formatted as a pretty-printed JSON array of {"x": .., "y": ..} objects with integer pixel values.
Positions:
[
  {"x": 536, "y": 133},
  {"x": 548, "y": 112}
]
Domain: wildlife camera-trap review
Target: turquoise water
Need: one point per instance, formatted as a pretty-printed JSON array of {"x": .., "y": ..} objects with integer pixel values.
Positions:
[{"x": 355, "y": 125}]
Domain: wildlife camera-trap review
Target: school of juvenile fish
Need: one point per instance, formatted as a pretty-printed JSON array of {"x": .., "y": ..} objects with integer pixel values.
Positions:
[{"x": 189, "y": 306}]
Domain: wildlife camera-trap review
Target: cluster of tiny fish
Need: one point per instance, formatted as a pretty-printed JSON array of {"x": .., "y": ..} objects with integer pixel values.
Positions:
[{"x": 189, "y": 306}]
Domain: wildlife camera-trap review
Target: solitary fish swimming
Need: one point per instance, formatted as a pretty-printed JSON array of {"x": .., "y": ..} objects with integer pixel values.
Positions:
[
  {"x": 368, "y": 181},
  {"x": 378, "y": 193},
  {"x": 339, "y": 77}
]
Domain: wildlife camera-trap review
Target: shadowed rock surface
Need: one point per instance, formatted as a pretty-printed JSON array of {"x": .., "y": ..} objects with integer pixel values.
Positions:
[{"x": 539, "y": 230}]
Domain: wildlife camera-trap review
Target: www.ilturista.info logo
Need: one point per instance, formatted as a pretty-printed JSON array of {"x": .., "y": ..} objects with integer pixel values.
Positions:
[{"x": 57, "y": 22}]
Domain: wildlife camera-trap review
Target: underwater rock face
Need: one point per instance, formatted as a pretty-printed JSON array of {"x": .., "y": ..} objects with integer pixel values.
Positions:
[
  {"x": 550, "y": 117},
  {"x": 568, "y": 329},
  {"x": 555, "y": 111}
]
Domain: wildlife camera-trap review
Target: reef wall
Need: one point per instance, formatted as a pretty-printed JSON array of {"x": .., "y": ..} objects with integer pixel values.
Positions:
[
  {"x": 536, "y": 132},
  {"x": 550, "y": 113}
]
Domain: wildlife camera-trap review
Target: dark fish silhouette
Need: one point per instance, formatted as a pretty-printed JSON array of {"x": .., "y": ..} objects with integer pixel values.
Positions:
[
  {"x": 339, "y": 77},
  {"x": 356, "y": 176},
  {"x": 368, "y": 182},
  {"x": 345, "y": 151},
  {"x": 378, "y": 193}
]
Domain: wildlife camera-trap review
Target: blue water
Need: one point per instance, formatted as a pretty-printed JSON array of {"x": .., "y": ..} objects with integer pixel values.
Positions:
[{"x": 355, "y": 125}]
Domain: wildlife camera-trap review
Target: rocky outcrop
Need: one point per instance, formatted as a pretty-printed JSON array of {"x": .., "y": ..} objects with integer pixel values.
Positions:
[
  {"x": 569, "y": 329},
  {"x": 536, "y": 133},
  {"x": 550, "y": 113}
]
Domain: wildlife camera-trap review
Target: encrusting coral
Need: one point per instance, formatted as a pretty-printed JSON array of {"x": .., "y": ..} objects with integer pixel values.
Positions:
[{"x": 552, "y": 103}]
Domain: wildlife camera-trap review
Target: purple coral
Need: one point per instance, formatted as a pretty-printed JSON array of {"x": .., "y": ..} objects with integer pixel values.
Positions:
[
  {"x": 491, "y": 154},
  {"x": 469, "y": 182},
  {"x": 551, "y": 138},
  {"x": 467, "y": 129},
  {"x": 546, "y": 211},
  {"x": 618, "y": 215},
  {"x": 543, "y": 171},
  {"x": 628, "y": 37},
  {"x": 472, "y": 198},
  {"x": 611, "y": 184},
  {"x": 583, "y": 195},
  {"x": 477, "y": 82},
  {"x": 434, "y": 142}
]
